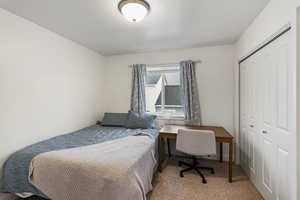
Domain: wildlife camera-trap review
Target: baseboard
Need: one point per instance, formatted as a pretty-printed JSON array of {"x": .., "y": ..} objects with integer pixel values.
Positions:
[{"x": 7, "y": 196}]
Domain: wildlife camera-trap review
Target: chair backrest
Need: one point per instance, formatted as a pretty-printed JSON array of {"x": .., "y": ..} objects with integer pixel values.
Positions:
[{"x": 196, "y": 142}]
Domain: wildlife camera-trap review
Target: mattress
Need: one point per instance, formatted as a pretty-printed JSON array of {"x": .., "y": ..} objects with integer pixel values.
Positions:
[{"x": 16, "y": 168}]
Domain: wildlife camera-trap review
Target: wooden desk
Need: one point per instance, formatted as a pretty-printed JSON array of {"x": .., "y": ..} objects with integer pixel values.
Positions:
[{"x": 222, "y": 136}]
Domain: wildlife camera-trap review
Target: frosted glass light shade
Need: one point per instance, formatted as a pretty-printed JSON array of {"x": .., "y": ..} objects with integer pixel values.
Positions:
[{"x": 134, "y": 10}]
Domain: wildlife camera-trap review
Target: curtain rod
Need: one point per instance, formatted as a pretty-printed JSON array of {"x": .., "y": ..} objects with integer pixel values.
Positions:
[{"x": 167, "y": 64}]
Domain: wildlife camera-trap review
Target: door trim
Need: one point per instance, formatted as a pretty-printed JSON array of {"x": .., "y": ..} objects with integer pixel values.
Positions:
[{"x": 297, "y": 24}]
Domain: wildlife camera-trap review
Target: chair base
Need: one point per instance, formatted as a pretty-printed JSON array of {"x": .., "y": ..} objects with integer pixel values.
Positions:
[{"x": 195, "y": 166}]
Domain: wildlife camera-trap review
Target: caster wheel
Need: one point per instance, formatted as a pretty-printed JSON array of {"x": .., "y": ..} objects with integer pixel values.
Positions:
[
  {"x": 212, "y": 171},
  {"x": 179, "y": 164},
  {"x": 181, "y": 175},
  {"x": 204, "y": 181}
]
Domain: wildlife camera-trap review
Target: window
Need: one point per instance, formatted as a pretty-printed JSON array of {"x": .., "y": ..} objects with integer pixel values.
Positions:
[{"x": 162, "y": 88}]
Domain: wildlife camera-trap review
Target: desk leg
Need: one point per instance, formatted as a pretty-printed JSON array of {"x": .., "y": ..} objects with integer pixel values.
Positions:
[
  {"x": 162, "y": 153},
  {"x": 230, "y": 162},
  {"x": 169, "y": 148},
  {"x": 221, "y": 152}
]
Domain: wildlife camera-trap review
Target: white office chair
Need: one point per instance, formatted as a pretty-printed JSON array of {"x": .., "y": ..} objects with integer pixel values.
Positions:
[{"x": 196, "y": 143}]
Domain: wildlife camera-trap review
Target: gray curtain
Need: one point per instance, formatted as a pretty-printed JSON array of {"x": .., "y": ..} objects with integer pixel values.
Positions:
[
  {"x": 190, "y": 97},
  {"x": 138, "y": 99}
]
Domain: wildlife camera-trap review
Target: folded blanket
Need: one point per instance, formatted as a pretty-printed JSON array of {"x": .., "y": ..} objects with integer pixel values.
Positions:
[{"x": 120, "y": 169}]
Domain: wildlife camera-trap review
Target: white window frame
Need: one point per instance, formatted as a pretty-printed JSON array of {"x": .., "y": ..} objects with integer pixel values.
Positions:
[{"x": 165, "y": 115}]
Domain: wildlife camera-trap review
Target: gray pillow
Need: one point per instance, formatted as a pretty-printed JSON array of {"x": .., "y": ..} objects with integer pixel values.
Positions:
[
  {"x": 140, "y": 120},
  {"x": 114, "y": 119}
]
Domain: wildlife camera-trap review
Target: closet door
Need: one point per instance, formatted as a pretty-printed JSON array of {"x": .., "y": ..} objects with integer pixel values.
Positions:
[
  {"x": 267, "y": 115},
  {"x": 249, "y": 117},
  {"x": 284, "y": 134},
  {"x": 252, "y": 129},
  {"x": 269, "y": 139},
  {"x": 276, "y": 120}
]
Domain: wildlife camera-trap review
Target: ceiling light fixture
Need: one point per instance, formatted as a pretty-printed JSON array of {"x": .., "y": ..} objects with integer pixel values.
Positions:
[{"x": 134, "y": 10}]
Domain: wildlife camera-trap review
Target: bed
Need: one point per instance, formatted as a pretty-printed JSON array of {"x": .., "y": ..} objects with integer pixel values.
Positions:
[{"x": 16, "y": 168}]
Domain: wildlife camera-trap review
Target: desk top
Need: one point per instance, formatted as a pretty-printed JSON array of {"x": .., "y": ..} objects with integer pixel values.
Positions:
[{"x": 170, "y": 131}]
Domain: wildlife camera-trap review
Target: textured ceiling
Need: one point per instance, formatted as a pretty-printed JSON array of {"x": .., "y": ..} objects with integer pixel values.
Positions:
[{"x": 172, "y": 24}]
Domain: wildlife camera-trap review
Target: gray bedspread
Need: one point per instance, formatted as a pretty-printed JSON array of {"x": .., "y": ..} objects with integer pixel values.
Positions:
[{"x": 16, "y": 168}]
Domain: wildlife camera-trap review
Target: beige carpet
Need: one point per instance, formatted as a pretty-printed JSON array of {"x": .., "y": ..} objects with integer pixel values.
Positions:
[{"x": 170, "y": 186}]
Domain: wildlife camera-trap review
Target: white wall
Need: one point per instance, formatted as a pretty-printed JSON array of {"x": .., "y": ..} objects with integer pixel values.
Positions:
[
  {"x": 215, "y": 80},
  {"x": 48, "y": 85},
  {"x": 275, "y": 15}
]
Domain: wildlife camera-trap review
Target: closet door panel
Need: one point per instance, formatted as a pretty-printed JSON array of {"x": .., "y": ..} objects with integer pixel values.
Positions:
[
  {"x": 282, "y": 88},
  {"x": 283, "y": 174},
  {"x": 251, "y": 151},
  {"x": 284, "y": 119},
  {"x": 267, "y": 119},
  {"x": 267, "y": 176},
  {"x": 253, "y": 89},
  {"x": 251, "y": 92}
]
